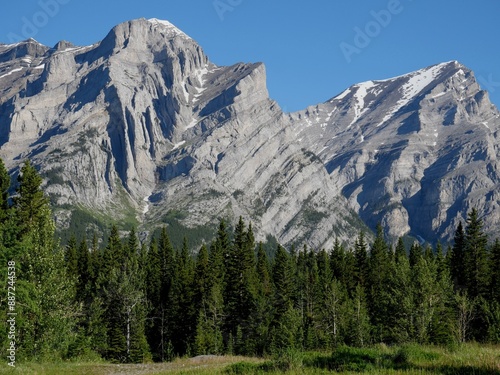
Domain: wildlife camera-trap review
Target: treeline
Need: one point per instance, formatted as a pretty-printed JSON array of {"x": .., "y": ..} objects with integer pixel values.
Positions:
[{"x": 132, "y": 302}]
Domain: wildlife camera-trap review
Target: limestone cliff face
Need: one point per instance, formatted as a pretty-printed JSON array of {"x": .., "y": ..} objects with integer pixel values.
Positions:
[
  {"x": 143, "y": 122},
  {"x": 414, "y": 152}
]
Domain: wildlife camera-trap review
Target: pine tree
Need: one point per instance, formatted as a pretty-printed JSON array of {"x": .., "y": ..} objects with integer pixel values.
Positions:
[
  {"x": 286, "y": 332},
  {"x": 219, "y": 251},
  {"x": 124, "y": 295},
  {"x": 342, "y": 265},
  {"x": 310, "y": 297},
  {"x": 161, "y": 272},
  {"x": 153, "y": 296},
  {"x": 112, "y": 256},
  {"x": 399, "y": 296},
  {"x": 429, "y": 299},
  {"x": 30, "y": 202},
  {"x": 333, "y": 314},
  {"x": 5, "y": 182},
  {"x": 283, "y": 282},
  {"x": 457, "y": 258},
  {"x": 209, "y": 327},
  {"x": 495, "y": 271},
  {"x": 475, "y": 256},
  {"x": 47, "y": 316},
  {"x": 442, "y": 264},
  {"x": 378, "y": 270},
  {"x": 233, "y": 278},
  {"x": 202, "y": 278},
  {"x": 361, "y": 255},
  {"x": 72, "y": 258},
  {"x": 429, "y": 253},
  {"x": 83, "y": 265},
  {"x": 358, "y": 326},
  {"x": 240, "y": 284},
  {"x": 415, "y": 254},
  {"x": 260, "y": 320},
  {"x": 183, "y": 317},
  {"x": 400, "y": 252},
  {"x": 443, "y": 322},
  {"x": 263, "y": 272}
]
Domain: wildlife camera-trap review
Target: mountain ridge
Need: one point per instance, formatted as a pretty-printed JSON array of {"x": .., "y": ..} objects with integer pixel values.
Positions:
[{"x": 150, "y": 125}]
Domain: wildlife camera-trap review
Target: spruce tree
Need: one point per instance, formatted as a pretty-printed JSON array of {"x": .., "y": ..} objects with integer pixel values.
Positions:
[
  {"x": 155, "y": 333},
  {"x": 47, "y": 314},
  {"x": 112, "y": 257},
  {"x": 378, "y": 270},
  {"x": 283, "y": 282},
  {"x": 125, "y": 300},
  {"x": 416, "y": 253},
  {"x": 72, "y": 258},
  {"x": 361, "y": 255},
  {"x": 233, "y": 282},
  {"x": 183, "y": 317},
  {"x": 495, "y": 271},
  {"x": 399, "y": 296},
  {"x": 209, "y": 327},
  {"x": 475, "y": 256},
  {"x": 457, "y": 258},
  {"x": 240, "y": 284},
  {"x": 162, "y": 313},
  {"x": 311, "y": 294},
  {"x": 202, "y": 278},
  {"x": 400, "y": 252},
  {"x": 342, "y": 265},
  {"x": 5, "y": 182},
  {"x": 261, "y": 318},
  {"x": 30, "y": 202},
  {"x": 83, "y": 264}
]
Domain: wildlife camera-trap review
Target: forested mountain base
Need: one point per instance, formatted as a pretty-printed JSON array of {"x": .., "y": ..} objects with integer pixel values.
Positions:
[{"x": 132, "y": 302}]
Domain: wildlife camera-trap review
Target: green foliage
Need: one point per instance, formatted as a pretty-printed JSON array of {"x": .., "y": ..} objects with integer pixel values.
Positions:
[
  {"x": 475, "y": 257},
  {"x": 178, "y": 231},
  {"x": 134, "y": 303},
  {"x": 45, "y": 290}
]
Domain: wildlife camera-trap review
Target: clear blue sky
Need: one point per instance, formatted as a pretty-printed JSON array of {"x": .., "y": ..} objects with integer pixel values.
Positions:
[{"x": 306, "y": 46}]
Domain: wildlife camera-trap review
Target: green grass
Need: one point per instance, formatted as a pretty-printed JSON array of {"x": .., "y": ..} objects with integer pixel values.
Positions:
[{"x": 379, "y": 359}]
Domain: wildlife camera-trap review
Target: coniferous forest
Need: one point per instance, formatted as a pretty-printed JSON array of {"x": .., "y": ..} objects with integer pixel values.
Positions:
[{"x": 130, "y": 302}]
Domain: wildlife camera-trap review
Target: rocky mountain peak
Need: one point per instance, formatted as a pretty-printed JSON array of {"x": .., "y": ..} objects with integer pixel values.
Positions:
[
  {"x": 142, "y": 126},
  {"x": 168, "y": 28},
  {"x": 382, "y": 140}
]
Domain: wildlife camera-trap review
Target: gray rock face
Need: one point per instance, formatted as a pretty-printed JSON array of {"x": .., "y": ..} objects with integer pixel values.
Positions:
[
  {"x": 143, "y": 122},
  {"x": 414, "y": 152}
]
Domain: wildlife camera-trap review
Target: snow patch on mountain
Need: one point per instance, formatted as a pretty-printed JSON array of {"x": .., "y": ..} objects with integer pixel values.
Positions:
[
  {"x": 417, "y": 82},
  {"x": 11, "y": 72},
  {"x": 360, "y": 107},
  {"x": 167, "y": 26}
]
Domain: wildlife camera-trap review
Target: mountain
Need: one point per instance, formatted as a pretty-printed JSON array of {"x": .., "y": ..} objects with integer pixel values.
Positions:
[
  {"x": 142, "y": 128},
  {"x": 415, "y": 152}
]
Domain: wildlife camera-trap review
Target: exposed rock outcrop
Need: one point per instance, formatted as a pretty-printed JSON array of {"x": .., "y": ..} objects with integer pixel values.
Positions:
[{"x": 143, "y": 122}]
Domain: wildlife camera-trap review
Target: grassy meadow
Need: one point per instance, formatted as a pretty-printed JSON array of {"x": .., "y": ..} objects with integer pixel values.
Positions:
[{"x": 379, "y": 359}]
